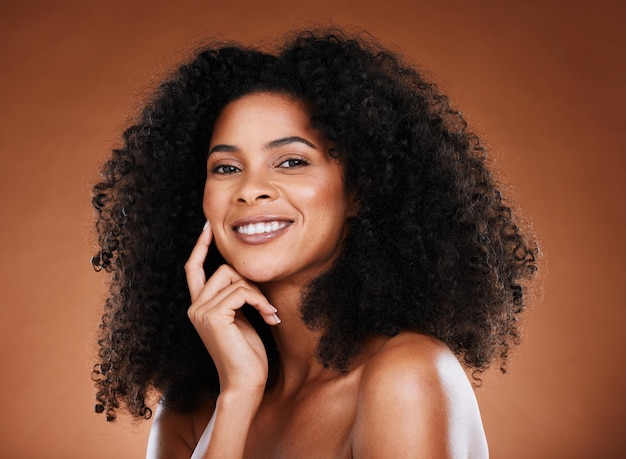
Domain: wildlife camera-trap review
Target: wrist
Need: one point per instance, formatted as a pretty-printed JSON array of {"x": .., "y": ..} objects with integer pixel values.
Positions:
[{"x": 240, "y": 399}]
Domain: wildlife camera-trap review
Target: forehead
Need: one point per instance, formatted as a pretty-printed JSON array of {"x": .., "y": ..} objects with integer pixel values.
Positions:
[{"x": 263, "y": 115}]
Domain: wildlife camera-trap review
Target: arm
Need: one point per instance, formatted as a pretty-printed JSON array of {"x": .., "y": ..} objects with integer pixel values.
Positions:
[
  {"x": 225, "y": 435},
  {"x": 239, "y": 356},
  {"x": 173, "y": 435},
  {"x": 416, "y": 402}
]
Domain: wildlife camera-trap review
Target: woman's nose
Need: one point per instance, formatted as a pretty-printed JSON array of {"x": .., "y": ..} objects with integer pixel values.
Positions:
[{"x": 255, "y": 187}]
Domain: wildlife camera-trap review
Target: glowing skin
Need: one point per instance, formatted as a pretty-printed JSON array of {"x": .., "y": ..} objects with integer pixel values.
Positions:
[
  {"x": 274, "y": 196},
  {"x": 278, "y": 209}
]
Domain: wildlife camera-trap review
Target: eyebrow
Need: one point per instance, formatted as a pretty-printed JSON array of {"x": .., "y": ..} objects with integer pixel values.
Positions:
[
  {"x": 288, "y": 140},
  {"x": 268, "y": 146}
]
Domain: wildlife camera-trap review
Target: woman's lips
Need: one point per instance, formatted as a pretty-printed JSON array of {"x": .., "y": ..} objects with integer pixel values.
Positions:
[{"x": 259, "y": 231}]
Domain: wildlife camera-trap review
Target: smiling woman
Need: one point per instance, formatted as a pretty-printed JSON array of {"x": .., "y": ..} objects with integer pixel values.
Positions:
[
  {"x": 273, "y": 191},
  {"x": 356, "y": 255}
]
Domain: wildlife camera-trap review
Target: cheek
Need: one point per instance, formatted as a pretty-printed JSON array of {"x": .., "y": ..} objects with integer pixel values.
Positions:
[
  {"x": 214, "y": 211},
  {"x": 210, "y": 205},
  {"x": 206, "y": 208},
  {"x": 331, "y": 207},
  {"x": 333, "y": 198},
  {"x": 205, "y": 199},
  {"x": 327, "y": 190},
  {"x": 211, "y": 208}
]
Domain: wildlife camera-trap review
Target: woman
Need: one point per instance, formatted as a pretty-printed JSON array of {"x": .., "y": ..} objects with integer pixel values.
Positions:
[{"x": 355, "y": 246}]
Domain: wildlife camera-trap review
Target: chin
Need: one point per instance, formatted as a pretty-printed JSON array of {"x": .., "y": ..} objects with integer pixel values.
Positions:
[
  {"x": 256, "y": 274},
  {"x": 259, "y": 277}
]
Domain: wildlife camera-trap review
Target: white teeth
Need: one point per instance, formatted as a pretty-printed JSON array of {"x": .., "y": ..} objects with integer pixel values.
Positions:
[{"x": 258, "y": 228}]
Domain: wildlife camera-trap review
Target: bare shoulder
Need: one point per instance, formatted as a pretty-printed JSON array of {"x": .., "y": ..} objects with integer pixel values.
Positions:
[
  {"x": 416, "y": 369},
  {"x": 175, "y": 435},
  {"x": 414, "y": 360},
  {"x": 416, "y": 401}
]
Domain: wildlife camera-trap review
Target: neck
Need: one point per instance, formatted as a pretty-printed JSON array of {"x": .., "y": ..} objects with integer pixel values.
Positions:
[{"x": 296, "y": 343}]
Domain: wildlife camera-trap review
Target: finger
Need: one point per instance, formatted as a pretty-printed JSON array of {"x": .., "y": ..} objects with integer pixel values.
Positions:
[
  {"x": 194, "y": 268},
  {"x": 242, "y": 292},
  {"x": 232, "y": 297},
  {"x": 223, "y": 276}
]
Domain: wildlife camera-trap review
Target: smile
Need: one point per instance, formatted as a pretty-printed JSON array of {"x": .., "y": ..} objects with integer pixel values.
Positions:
[{"x": 261, "y": 228}]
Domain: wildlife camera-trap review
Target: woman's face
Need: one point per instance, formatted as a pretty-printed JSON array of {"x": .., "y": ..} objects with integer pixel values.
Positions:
[{"x": 274, "y": 196}]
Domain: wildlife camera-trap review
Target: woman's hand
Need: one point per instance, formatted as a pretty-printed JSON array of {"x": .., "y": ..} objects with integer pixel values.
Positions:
[{"x": 215, "y": 312}]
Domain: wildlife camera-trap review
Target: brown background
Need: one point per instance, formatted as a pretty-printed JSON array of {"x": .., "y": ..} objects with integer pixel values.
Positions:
[{"x": 544, "y": 81}]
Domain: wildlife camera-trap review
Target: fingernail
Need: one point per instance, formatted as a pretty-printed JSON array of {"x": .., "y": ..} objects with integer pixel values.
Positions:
[
  {"x": 206, "y": 225},
  {"x": 275, "y": 310},
  {"x": 276, "y": 319}
]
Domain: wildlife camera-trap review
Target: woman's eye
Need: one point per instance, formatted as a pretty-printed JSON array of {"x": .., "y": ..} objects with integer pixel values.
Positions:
[
  {"x": 224, "y": 169},
  {"x": 293, "y": 162}
]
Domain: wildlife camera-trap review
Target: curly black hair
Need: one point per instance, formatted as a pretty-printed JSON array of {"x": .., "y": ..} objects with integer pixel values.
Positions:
[{"x": 434, "y": 247}]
